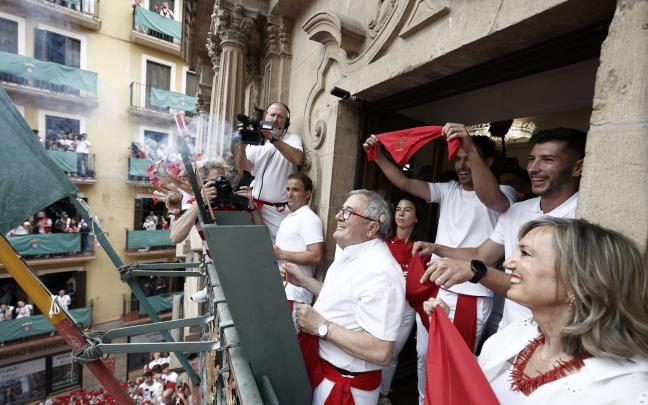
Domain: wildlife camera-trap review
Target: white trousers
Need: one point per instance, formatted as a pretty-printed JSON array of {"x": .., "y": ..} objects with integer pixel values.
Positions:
[
  {"x": 360, "y": 397},
  {"x": 409, "y": 314},
  {"x": 484, "y": 307},
  {"x": 272, "y": 219}
]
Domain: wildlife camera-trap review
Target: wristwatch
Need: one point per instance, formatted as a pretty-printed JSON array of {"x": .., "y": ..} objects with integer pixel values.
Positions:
[
  {"x": 323, "y": 329},
  {"x": 479, "y": 270}
]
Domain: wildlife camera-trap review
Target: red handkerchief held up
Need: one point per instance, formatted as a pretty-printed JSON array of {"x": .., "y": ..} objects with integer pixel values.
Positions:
[
  {"x": 453, "y": 376},
  {"x": 403, "y": 144}
]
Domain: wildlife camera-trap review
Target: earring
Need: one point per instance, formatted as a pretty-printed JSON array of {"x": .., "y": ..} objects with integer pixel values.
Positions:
[{"x": 571, "y": 300}]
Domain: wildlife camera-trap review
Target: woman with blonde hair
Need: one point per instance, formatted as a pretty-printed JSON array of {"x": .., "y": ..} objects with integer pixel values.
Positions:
[{"x": 587, "y": 342}]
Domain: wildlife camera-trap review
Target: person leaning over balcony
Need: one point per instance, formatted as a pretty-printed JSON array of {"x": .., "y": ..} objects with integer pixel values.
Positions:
[
  {"x": 23, "y": 310},
  {"x": 348, "y": 335},
  {"x": 6, "y": 312},
  {"x": 165, "y": 11},
  {"x": 271, "y": 164}
]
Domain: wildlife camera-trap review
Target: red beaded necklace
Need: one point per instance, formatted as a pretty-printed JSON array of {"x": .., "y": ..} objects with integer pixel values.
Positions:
[{"x": 526, "y": 385}]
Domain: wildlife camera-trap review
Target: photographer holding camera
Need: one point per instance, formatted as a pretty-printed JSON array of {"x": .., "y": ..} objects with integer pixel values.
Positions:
[{"x": 271, "y": 163}]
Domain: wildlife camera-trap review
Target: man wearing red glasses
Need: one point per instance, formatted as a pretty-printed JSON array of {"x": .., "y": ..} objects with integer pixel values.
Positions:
[{"x": 358, "y": 311}]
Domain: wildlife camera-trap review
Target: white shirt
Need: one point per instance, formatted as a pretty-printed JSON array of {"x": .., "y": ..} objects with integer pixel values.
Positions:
[
  {"x": 600, "y": 381},
  {"x": 298, "y": 230},
  {"x": 82, "y": 146},
  {"x": 65, "y": 301},
  {"x": 364, "y": 289},
  {"x": 24, "y": 311},
  {"x": 506, "y": 233},
  {"x": 271, "y": 169},
  {"x": 151, "y": 392},
  {"x": 5, "y": 313},
  {"x": 464, "y": 221}
]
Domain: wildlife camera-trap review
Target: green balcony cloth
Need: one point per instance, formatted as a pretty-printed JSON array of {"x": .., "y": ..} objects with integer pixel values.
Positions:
[
  {"x": 30, "y": 181},
  {"x": 67, "y": 161},
  {"x": 46, "y": 244},
  {"x": 38, "y": 324},
  {"x": 138, "y": 167},
  {"x": 179, "y": 101},
  {"x": 162, "y": 302},
  {"x": 153, "y": 21},
  {"x": 144, "y": 239},
  {"x": 49, "y": 72}
]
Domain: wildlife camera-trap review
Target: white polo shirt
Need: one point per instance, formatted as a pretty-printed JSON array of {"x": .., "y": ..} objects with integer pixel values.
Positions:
[
  {"x": 507, "y": 231},
  {"x": 298, "y": 230},
  {"x": 464, "y": 221},
  {"x": 271, "y": 169},
  {"x": 364, "y": 289}
]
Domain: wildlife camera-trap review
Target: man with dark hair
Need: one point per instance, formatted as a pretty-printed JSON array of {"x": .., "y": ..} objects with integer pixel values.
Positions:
[
  {"x": 271, "y": 164},
  {"x": 469, "y": 209},
  {"x": 555, "y": 167},
  {"x": 300, "y": 238}
]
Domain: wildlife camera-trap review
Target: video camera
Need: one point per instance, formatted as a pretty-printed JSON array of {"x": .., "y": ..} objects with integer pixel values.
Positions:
[
  {"x": 226, "y": 195},
  {"x": 251, "y": 134}
]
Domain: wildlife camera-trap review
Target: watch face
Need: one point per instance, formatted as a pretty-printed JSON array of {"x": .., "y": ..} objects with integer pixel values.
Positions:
[{"x": 322, "y": 330}]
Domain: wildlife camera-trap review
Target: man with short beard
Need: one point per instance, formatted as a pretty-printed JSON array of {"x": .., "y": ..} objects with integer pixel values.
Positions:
[{"x": 555, "y": 167}]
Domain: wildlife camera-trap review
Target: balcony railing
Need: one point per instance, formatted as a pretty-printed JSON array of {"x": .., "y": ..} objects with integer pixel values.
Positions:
[
  {"x": 71, "y": 164},
  {"x": 40, "y": 245},
  {"x": 143, "y": 241},
  {"x": 49, "y": 77},
  {"x": 81, "y": 12},
  {"x": 29, "y": 326},
  {"x": 149, "y": 99},
  {"x": 154, "y": 25},
  {"x": 137, "y": 170}
]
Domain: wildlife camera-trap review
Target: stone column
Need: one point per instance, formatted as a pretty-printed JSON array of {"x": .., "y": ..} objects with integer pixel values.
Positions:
[
  {"x": 232, "y": 28},
  {"x": 614, "y": 189},
  {"x": 203, "y": 103},
  {"x": 276, "y": 61}
]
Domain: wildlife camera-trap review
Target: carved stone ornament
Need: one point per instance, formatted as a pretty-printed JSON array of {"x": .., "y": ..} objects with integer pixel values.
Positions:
[
  {"x": 213, "y": 50},
  {"x": 318, "y": 134},
  {"x": 424, "y": 12},
  {"x": 312, "y": 167},
  {"x": 384, "y": 10},
  {"x": 328, "y": 27}
]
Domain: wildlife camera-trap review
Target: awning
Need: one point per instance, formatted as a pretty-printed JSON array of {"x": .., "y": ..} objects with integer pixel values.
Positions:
[
  {"x": 49, "y": 72},
  {"x": 179, "y": 101},
  {"x": 137, "y": 167},
  {"x": 153, "y": 21}
]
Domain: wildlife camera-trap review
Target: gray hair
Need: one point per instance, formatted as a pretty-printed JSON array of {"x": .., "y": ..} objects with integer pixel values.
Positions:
[
  {"x": 377, "y": 209},
  {"x": 606, "y": 273},
  {"x": 214, "y": 164}
]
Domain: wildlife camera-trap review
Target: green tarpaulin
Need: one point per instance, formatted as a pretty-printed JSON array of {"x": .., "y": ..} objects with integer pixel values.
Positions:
[
  {"x": 46, "y": 244},
  {"x": 137, "y": 167},
  {"x": 145, "y": 239},
  {"x": 162, "y": 302},
  {"x": 153, "y": 21},
  {"x": 179, "y": 101},
  {"x": 36, "y": 325},
  {"x": 49, "y": 72},
  {"x": 29, "y": 180},
  {"x": 67, "y": 161}
]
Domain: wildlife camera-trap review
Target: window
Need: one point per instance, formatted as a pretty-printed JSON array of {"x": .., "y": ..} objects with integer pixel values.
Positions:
[
  {"x": 60, "y": 132},
  {"x": 64, "y": 372},
  {"x": 157, "y": 76},
  {"x": 57, "y": 48},
  {"x": 8, "y": 35},
  {"x": 191, "y": 81},
  {"x": 156, "y": 5}
]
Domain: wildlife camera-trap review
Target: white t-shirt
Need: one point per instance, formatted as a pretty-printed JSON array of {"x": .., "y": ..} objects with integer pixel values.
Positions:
[
  {"x": 506, "y": 233},
  {"x": 271, "y": 169},
  {"x": 364, "y": 289},
  {"x": 65, "y": 301},
  {"x": 22, "y": 312},
  {"x": 6, "y": 313},
  {"x": 151, "y": 392},
  {"x": 82, "y": 147},
  {"x": 464, "y": 221},
  {"x": 298, "y": 230}
]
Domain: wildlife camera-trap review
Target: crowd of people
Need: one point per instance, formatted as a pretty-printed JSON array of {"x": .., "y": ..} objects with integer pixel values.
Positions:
[
  {"x": 71, "y": 142},
  {"x": 545, "y": 306}
]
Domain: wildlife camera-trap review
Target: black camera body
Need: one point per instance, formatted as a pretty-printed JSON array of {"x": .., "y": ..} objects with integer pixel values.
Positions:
[
  {"x": 226, "y": 195},
  {"x": 251, "y": 134}
]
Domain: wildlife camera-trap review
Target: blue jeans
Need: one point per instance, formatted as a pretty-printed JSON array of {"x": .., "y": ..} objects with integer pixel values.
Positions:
[{"x": 82, "y": 164}]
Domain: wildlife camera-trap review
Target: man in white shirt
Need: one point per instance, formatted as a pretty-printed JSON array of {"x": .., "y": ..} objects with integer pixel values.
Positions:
[
  {"x": 359, "y": 307},
  {"x": 82, "y": 151},
  {"x": 555, "y": 167},
  {"x": 469, "y": 210},
  {"x": 150, "y": 388},
  {"x": 271, "y": 164},
  {"x": 300, "y": 238},
  {"x": 64, "y": 299}
]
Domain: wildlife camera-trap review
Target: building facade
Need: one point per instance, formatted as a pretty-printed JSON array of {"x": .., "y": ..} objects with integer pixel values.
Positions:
[
  {"x": 113, "y": 72},
  {"x": 545, "y": 64}
]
